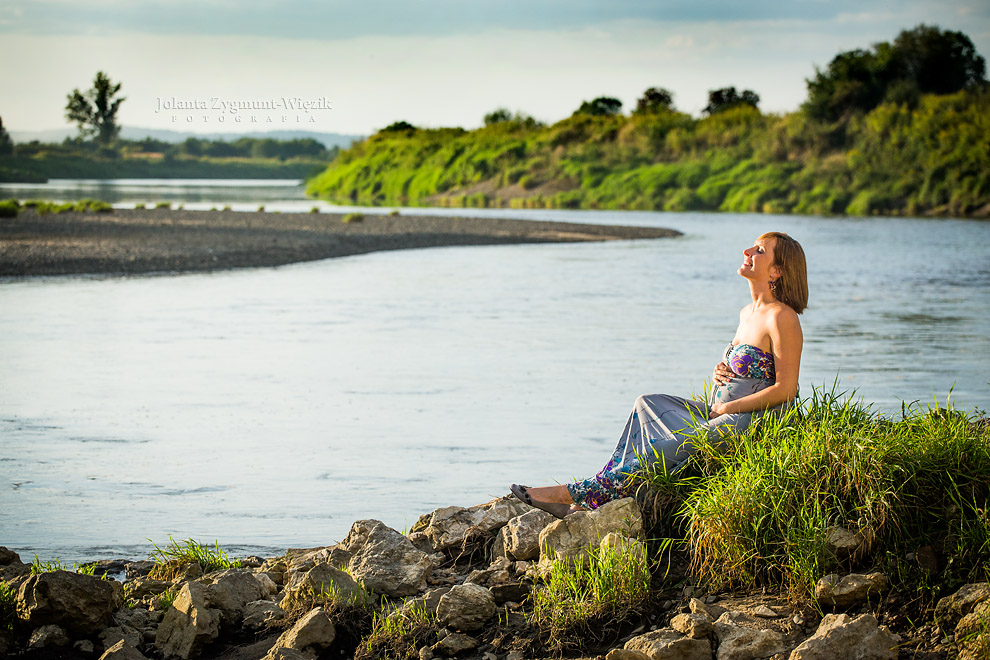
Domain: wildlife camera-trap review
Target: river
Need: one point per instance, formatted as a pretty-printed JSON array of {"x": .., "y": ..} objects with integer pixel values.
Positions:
[{"x": 269, "y": 408}]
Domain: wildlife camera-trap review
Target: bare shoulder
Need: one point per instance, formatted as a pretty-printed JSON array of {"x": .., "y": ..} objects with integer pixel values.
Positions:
[{"x": 784, "y": 318}]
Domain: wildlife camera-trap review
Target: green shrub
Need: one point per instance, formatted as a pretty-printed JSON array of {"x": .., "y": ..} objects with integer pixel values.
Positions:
[
  {"x": 163, "y": 205},
  {"x": 139, "y": 206},
  {"x": 9, "y": 208},
  {"x": 399, "y": 635},
  {"x": 353, "y": 217},
  {"x": 315, "y": 209},
  {"x": 8, "y": 607}
]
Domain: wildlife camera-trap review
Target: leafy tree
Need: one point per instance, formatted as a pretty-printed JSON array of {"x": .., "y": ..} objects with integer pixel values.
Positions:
[
  {"x": 728, "y": 97},
  {"x": 6, "y": 144},
  {"x": 398, "y": 126},
  {"x": 603, "y": 105},
  {"x": 497, "y": 116},
  {"x": 654, "y": 100},
  {"x": 924, "y": 60},
  {"x": 95, "y": 112}
]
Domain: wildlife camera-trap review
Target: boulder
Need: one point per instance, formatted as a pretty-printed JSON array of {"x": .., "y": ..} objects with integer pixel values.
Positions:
[
  {"x": 447, "y": 526},
  {"x": 49, "y": 636},
  {"x": 626, "y": 546},
  {"x": 230, "y": 590},
  {"x": 466, "y": 607},
  {"x": 667, "y": 644},
  {"x": 138, "y": 569},
  {"x": 973, "y": 632},
  {"x": 288, "y": 654},
  {"x": 712, "y": 610},
  {"x": 570, "y": 537},
  {"x": 122, "y": 651},
  {"x": 311, "y": 635},
  {"x": 499, "y": 572},
  {"x": 11, "y": 565},
  {"x": 428, "y": 602},
  {"x": 82, "y": 604},
  {"x": 259, "y": 613},
  {"x": 320, "y": 583},
  {"x": 842, "y": 636},
  {"x": 388, "y": 563},
  {"x": 625, "y": 654},
  {"x": 844, "y": 543},
  {"x": 142, "y": 587},
  {"x": 696, "y": 626},
  {"x": 129, "y": 635},
  {"x": 189, "y": 625},
  {"x": 453, "y": 644},
  {"x": 952, "y": 608},
  {"x": 741, "y": 638},
  {"x": 849, "y": 590}
]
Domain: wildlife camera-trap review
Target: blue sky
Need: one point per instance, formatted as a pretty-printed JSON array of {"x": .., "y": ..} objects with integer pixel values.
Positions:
[{"x": 431, "y": 62}]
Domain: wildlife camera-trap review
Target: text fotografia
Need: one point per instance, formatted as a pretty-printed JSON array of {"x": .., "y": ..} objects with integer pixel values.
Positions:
[{"x": 234, "y": 106}]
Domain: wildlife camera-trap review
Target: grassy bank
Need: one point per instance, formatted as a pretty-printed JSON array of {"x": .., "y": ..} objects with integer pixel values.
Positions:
[
  {"x": 44, "y": 166},
  {"x": 930, "y": 159}
]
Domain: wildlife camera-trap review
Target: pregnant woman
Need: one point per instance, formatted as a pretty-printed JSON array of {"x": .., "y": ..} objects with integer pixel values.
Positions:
[{"x": 758, "y": 374}]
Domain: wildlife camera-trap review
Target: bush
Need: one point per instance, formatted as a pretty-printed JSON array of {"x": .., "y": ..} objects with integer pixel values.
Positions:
[
  {"x": 9, "y": 208},
  {"x": 353, "y": 217}
]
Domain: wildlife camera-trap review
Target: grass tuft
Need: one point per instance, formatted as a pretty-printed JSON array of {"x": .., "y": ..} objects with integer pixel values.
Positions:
[
  {"x": 398, "y": 636},
  {"x": 170, "y": 559},
  {"x": 8, "y": 607},
  {"x": 353, "y": 217},
  {"x": 38, "y": 567}
]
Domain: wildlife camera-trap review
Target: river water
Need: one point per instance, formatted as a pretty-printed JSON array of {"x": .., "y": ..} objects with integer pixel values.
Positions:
[{"x": 269, "y": 408}]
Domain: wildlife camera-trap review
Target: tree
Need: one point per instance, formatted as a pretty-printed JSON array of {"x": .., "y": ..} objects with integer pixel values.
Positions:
[
  {"x": 6, "y": 144},
  {"x": 398, "y": 126},
  {"x": 727, "y": 97},
  {"x": 924, "y": 60},
  {"x": 654, "y": 100},
  {"x": 602, "y": 106},
  {"x": 95, "y": 112},
  {"x": 497, "y": 116}
]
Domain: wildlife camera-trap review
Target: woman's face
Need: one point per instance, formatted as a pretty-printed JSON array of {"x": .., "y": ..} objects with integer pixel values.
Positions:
[{"x": 758, "y": 262}]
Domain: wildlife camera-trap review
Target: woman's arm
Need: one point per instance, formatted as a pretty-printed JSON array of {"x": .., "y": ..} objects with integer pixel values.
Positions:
[{"x": 786, "y": 342}]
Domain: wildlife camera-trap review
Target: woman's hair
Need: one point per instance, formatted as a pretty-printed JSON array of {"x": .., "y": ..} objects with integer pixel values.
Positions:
[{"x": 792, "y": 285}]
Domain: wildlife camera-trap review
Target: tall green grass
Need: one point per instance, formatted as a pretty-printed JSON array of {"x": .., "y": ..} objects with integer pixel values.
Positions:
[
  {"x": 168, "y": 560},
  {"x": 758, "y": 510}
]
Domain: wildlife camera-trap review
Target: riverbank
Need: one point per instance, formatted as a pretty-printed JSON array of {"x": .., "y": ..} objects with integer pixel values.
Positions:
[{"x": 134, "y": 241}]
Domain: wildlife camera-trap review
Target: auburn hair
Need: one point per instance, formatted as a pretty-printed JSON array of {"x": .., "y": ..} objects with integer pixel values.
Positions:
[{"x": 792, "y": 285}]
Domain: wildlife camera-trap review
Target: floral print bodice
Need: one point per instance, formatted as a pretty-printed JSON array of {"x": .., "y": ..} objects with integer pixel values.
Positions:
[{"x": 749, "y": 361}]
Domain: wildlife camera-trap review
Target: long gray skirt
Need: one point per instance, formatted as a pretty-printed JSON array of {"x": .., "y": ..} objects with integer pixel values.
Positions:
[{"x": 660, "y": 430}]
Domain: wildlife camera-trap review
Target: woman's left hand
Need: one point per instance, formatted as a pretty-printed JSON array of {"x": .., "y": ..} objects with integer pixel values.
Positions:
[{"x": 717, "y": 410}]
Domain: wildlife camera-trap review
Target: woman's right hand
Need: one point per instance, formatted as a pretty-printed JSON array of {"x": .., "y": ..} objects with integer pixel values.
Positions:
[{"x": 722, "y": 374}]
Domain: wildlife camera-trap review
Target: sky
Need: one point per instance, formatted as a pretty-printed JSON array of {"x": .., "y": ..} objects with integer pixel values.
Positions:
[{"x": 354, "y": 67}]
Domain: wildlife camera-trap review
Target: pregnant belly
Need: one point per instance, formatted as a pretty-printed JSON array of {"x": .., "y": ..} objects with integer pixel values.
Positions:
[{"x": 739, "y": 387}]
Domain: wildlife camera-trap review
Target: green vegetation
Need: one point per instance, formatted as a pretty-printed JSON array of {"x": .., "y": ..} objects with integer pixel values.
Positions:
[
  {"x": 38, "y": 566},
  {"x": 8, "y": 607},
  {"x": 166, "y": 598},
  {"x": 398, "y": 636},
  {"x": 920, "y": 154},
  {"x": 6, "y": 144},
  {"x": 758, "y": 511},
  {"x": 353, "y": 217},
  {"x": 9, "y": 208},
  {"x": 95, "y": 112},
  {"x": 170, "y": 559},
  {"x": 574, "y": 603}
]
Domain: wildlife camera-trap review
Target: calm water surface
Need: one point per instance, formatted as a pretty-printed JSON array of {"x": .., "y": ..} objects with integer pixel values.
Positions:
[{"x": 272, "y": 407}]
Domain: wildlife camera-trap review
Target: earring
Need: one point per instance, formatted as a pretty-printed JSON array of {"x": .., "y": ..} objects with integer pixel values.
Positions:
[{"x": 773, "y": 287}]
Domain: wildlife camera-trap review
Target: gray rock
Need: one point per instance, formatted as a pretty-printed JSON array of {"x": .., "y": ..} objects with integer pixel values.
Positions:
[
  {"x": 667, "y": 644},
  {"x": 973, "y": 631},
  {"x": 230, "y": 590},
  {"x": 696, "y": 626},
  {"x": 514, "y": 592},
  {"x": 521, "y": 535},
  {"x": 466, "y": 607},
  {"x": 137, "y": 569},
  {"x": 844, "y": 543},
  {"x": 315, "y": 585},
  {"x": 388, "y": 563},
  {"x": 82, "y": 604},
  {"x": 952, "y": 608},
  {"x": 712, "y": 610},
  {"x": 122, "y": 651},
  {"x": 129, "y": 635},
  {"x": 571, "y": 537},
  {"x": 312, "y": 634},
  {"x": 288, "y": 654},
  {"x": 739, "y": 638},
  {"x": 49, "y": 636},
  {"x": 446, "y": 527},
  {"x": 765, "y": 612},
  {"x": 428, "y": 602},
  {"x": 851, "y": 589},
  {"x": 189, "y": 625},
  {"x": 453, "y": 644},
  {"x": 11, "y": 565},
  {"x": 624, "y": 654},
  {"x": 259, "y": 614},
  {"x": 840, "y": 636},
  {"x": 85, "y": 647},
  {"x": 143, "y": 587}
]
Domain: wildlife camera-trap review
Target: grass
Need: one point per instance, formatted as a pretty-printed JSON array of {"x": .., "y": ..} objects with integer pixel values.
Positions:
[
  {"x": 398, "y": 637},
  {"x": 170, "y": 559},
  {"x": 353, "y": 217},
  {"x": 574, "y": 604},
  {"x": 8, "y": 607},
  {"x": 10, "y": 207},
  {"x": 758, "y": 511},
  {"x": 38, "y": 567}
]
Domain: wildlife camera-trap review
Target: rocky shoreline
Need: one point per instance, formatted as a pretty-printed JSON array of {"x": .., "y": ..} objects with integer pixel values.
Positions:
[
  {"x": 134, "y": 241},
  {"x": 462, "y": 583}
]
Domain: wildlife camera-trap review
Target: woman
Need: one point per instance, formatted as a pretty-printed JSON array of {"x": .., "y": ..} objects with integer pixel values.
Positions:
[{"x": 759, "y": 373}]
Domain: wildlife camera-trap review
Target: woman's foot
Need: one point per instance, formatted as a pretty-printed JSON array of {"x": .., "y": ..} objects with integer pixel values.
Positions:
[{"x": 556, "y": 509}]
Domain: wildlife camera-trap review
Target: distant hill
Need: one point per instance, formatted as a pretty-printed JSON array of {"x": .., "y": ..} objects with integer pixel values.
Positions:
[{"x": 136, "y": 133}]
